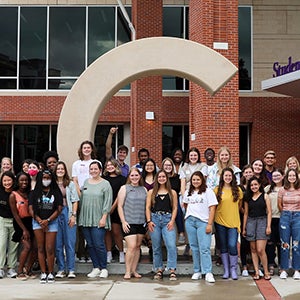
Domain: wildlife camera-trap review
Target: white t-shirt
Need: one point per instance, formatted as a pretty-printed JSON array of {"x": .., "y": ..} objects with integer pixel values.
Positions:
[
  {"x": 80, "y": 169},
  {"x": 198, "y": 204}
]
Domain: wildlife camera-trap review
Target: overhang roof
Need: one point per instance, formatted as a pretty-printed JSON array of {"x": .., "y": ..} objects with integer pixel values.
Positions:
[{"x": 288, "y": 84}]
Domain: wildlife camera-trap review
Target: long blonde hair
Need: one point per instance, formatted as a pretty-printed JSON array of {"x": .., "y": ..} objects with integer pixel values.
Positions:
[{"x": 219, "y": 163}]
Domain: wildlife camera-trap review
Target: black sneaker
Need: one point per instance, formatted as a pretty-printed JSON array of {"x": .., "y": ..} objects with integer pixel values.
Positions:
[
  {"x": 43, "y": 278},
  {"x": 50, "y": 278}
]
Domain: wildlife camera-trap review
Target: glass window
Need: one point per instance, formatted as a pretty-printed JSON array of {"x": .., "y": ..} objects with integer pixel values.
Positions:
[
  {"x": 175, "y": 136},
  {"x": 101, "y": 31},
  {"x": 5, "y": 140},
  {"x": 60, "y": 84},
  {"x": 244, "y": 144},
  {"x": 33, "y": 33},
  {"x": 124, "y": 33},
  {"x": 245, "y": 46},
  {"x": 8, "y": 42},
  {"x": 100, "y": 140},
  {"x": 30, "y": 141},
  {"x": 173, "y": 26},
  {"x": 173, "y": 22},
  {"x": 66, "y": 41},
  {"x": 8, "y": 83}
]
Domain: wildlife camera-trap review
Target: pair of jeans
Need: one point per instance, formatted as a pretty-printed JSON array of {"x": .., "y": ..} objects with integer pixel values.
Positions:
[
  {"x": 94, "y": 237},
  {"x": 169, "y": 237},
  {"x": 179, "y": 219},
  {"x": 200, "y": 243},
  {"x": 228, "y": 238},
  {"x": 8, "y": 248},
  {"x": 273, "y": 243},
  {"x": 65, "y": 242},
  {"x": 289, "y": 227}
]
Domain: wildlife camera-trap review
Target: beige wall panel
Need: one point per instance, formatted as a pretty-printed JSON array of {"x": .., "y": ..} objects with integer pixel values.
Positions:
[
  {"x": 269, "y": 22},
  {"x": 293, "y": 21}
]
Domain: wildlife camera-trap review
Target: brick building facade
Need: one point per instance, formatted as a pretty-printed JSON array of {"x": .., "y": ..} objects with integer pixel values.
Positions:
[{"x": 272, "y": 120}]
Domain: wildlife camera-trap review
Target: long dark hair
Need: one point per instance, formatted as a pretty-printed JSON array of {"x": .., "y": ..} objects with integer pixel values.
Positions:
[
  {"x": 287, "y": 184},
  {"x": 233, "y": 184},
  {"x": 66, "y": 178},
  {"x": 37, "y": 193},
  {"x": 249, "y": 193},
  {"x": 9, "y": 174},
  {"x": 263, "y": 175},
  {"x": 273, "y": 184},
  {"x": 144, "y": 172},
  {"x": 156, "y": 187},
  {"x": 202, "y": 187}
]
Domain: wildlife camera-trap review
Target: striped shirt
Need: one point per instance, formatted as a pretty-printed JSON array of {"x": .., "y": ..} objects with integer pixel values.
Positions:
[{"x": 290, "y": 199}]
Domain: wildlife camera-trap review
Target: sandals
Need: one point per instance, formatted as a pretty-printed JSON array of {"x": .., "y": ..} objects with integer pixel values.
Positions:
[
  {"x": 271, "y": 270},
  {"x": 136, "y": 275},
  {"x": 22, "y": 276},
  {"x": 158, "y": 275},
  {"x": 127, "y": 275},
  {"x": 267, "y": 276},
  {"x": 172, "y": 276},
  {"x": 256, "y": 276}
]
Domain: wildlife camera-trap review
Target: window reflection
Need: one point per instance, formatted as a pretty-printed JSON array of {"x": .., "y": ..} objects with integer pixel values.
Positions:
[
  {"x": 66, "y": 41},
  {"x": 101, "y": 31},
  {"x": 8, "y": 41},
  {"x": 33, "y": 33},
  {"x": 124, "y": 33},
  {"x": 245, "y": 54}
]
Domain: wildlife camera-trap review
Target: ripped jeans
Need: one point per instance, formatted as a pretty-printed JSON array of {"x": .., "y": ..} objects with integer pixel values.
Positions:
[{"x": 289, "y": 227}]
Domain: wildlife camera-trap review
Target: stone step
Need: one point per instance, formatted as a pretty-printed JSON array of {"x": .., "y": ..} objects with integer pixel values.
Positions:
[{"x": 184, "y": 267}]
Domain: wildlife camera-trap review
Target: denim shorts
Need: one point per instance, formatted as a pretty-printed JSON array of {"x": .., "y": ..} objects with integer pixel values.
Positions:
[
  {"x": 256, "y": 229},
  {"x": 52, "y": 226}
]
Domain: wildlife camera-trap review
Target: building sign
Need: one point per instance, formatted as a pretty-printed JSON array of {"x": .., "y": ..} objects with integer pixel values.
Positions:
[{"x": 282, "y": 70}]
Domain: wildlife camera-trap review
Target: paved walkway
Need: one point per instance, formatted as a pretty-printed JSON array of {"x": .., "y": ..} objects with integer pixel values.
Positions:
[{"x": 115, "y": 288}]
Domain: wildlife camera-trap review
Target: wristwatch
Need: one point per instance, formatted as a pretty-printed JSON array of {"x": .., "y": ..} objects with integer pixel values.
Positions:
[{"x": 49, "y": 220}]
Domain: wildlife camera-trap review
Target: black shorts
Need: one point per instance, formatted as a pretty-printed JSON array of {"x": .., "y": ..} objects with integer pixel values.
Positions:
[{"x": 135, "y": 229}]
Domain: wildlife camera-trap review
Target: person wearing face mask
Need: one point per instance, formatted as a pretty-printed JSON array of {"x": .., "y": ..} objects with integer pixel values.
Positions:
[
  {"x": 45, "y": 204},
  {"x": 33, "y": 170}
]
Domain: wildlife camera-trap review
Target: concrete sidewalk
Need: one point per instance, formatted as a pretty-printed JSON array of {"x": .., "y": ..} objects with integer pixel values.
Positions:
[{"x": 116, "y": 288}]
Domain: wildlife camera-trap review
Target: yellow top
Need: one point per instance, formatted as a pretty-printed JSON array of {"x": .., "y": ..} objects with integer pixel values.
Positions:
[{"x": 227, "y": 213}]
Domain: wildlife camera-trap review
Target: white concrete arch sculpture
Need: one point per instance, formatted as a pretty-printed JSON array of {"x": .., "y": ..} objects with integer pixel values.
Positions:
[{"x": 124, "y": 64}]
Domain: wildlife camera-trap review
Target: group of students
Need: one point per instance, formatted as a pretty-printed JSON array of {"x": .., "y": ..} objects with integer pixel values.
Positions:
[{"x": 43, "y": 209}]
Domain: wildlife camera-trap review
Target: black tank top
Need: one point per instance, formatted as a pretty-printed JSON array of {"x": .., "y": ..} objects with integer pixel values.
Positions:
[
  {"x": 162, "y": 203},
  {"x": 257, "y": 208}
]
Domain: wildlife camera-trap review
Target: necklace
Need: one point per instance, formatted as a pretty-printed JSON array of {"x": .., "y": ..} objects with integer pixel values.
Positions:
[{"x": 46, "y": 193}]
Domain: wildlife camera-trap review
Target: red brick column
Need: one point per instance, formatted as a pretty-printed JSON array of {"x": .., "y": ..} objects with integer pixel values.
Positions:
[
  {"x": 215, "y": 120},
  {"x": 146, "y": 93}
]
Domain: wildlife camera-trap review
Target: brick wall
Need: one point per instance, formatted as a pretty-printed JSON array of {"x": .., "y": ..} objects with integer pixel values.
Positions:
[
  {"x": 275, "y": 124},
  {"x": 215, "y": 120}
]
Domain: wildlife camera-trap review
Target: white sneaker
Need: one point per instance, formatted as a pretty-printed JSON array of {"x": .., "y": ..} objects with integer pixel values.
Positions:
[
  {"x": 95, "y": 272},
  {"x": 43, "y": 278},
  {"x": 296, "y": 275},
  {"x": 109, "y": 257},
  {"x": 11, "y": 273},
  {"x": 261, "y": 274},
  {"x": 245, "y": 273},
  {"x": 1, "y": 273},
  {"x": 209, "y": 277},
  {"x": 50, "y": 278},
  {"x": 196, "y": 276},
  {"x": 121, "y": 258},
  {"x": 71, "y": 274},
  {"x": 82, "y": 260},
  {"x": 103, "y": 273},
  {"x": 60, "y": 274},
  {"x": 283, "y": 275}
]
